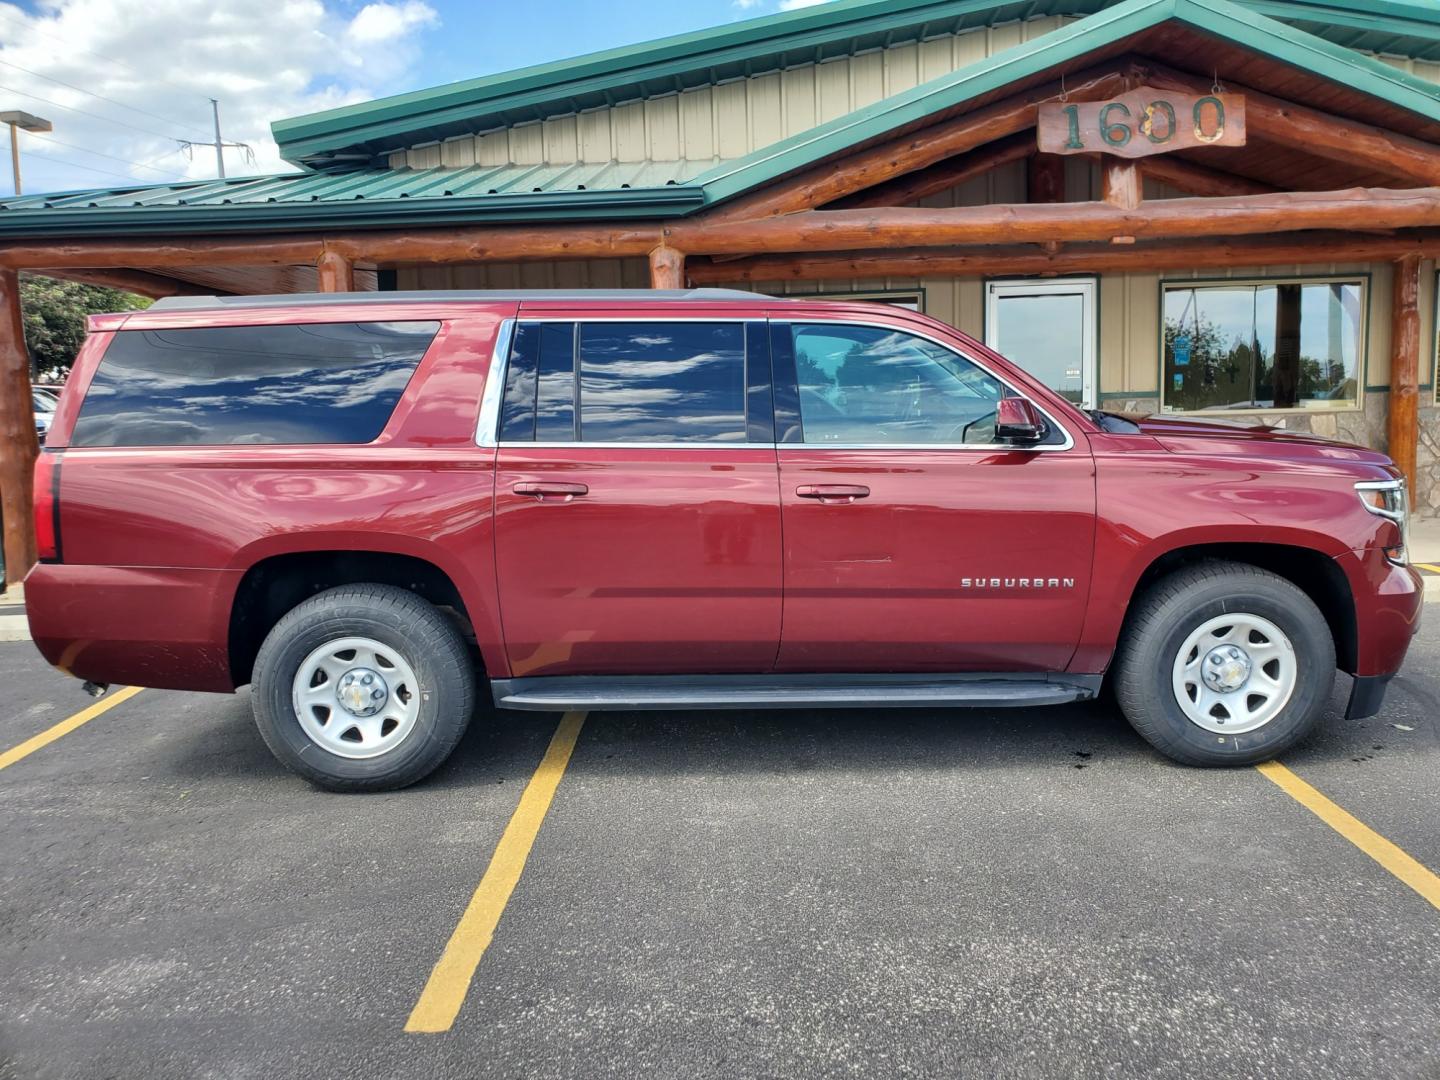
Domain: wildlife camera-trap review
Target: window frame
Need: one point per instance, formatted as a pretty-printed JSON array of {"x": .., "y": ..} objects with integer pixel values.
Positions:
[
  {"x": 492, "y": 400},
  {"x": 787, "y": 394},
  {"x": 1362, "y": 373},
  {"x": 488, "y": 423},
  {"x": 1086, "y": 286}
]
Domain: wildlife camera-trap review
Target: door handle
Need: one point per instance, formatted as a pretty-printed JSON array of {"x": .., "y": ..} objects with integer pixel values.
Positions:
[
  {"x": 833, "y": 493},
  {"x": 546, "y": 489}
]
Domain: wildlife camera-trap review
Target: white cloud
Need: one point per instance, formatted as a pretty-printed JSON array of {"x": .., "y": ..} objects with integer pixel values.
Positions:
[
  {"x": 746, "y": 5},
  {"x": 263, "y": 60},
  {"x": 791, "y": 5}
]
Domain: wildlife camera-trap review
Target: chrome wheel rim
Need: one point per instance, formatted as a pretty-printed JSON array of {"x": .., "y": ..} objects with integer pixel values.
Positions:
[
  {"x": 356, "y": 697},
  {"x": 1235, "y": 673}
]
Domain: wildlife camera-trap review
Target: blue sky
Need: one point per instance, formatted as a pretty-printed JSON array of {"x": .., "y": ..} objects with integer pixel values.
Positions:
[{"x": 125, "y": 82}]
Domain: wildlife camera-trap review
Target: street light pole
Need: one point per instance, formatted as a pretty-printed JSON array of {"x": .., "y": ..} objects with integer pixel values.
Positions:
[{"x": 21, "y": 121}]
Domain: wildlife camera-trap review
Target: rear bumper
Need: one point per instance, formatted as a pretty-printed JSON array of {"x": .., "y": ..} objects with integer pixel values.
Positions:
[{"x": 134, "y": 626}]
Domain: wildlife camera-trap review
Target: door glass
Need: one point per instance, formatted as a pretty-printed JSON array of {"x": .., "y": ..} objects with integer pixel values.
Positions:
[
  {"x": 874, "y": 386},
  {"x": 662, "y": 382},
  {"x": 1045, "y": 333}
]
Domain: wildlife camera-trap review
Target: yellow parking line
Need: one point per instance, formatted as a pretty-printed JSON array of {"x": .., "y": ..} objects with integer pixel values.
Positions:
[
  {"x": 449, "y": 982},
  {"x": 64, "y": 727},
  {"x": 1429, "y": 566},
  {"x": 1419, "y": 877}
]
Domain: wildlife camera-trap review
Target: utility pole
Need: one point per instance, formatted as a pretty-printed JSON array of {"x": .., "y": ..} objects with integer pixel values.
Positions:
[
  {"x": 219, "y": 144},
  {"x": 21, "y": 121}
]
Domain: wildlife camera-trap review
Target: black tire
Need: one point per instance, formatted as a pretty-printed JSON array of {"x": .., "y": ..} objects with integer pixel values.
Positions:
[
  {"x": 1174, "y": 607},
  {"x": 394, "y": 617}
]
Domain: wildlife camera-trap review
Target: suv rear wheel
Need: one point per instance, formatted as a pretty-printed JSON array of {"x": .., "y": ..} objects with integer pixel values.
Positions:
[
  {"x": 1224, "y": 664},
  {"x": 363, "y": 688}
]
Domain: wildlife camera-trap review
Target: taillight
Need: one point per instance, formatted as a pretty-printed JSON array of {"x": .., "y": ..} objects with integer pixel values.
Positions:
[{"x": 47, "y": 505}]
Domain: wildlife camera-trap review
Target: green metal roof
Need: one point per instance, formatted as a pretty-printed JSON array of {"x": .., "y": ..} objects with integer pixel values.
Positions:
[
  {"x": 363, "y": 198},
  {"x": 366, "y": 197},
  {"x": 771, "y": 43},
  {"x": 1217, "y": 18}
]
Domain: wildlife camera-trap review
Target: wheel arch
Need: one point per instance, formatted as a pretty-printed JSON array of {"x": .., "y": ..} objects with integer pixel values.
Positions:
[
  {"x": 1313, "y": 571},
  {"x": 278, "y": 576}
]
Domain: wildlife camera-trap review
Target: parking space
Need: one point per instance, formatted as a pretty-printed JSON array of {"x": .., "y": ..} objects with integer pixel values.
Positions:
[{"x": 907, "y": 893}]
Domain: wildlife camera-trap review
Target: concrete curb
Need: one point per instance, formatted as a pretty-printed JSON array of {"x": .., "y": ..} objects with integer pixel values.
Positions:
[{"x": 13, "y": 626}]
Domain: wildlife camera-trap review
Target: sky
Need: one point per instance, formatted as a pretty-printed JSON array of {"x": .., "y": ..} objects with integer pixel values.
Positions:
[{"x": 123, "y": 81}]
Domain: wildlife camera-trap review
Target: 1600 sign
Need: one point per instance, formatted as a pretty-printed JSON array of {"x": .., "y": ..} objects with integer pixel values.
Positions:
[{"x": 1141, "y": 123}]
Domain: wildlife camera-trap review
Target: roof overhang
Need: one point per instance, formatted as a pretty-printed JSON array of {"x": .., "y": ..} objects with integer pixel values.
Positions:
[{"x": 756, "y": 46}]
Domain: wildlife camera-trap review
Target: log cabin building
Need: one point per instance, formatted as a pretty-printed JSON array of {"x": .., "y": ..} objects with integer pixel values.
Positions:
[{"x": 1228, "y": 207}]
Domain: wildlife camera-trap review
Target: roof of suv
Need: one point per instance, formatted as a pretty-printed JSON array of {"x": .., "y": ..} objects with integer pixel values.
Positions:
[{"x": 285, "y": 300}]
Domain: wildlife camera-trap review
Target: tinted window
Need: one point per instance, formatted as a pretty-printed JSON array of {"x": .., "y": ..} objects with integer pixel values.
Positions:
[
  {"x": 1280, "y": 345},
  {"x": 317, "y": 383},
  {"x": 662, "y": 382},
  {"x": 868, "y": 385}
]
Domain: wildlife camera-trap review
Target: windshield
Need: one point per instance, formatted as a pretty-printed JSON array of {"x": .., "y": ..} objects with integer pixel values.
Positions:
[{"x": 44, "y": 400}]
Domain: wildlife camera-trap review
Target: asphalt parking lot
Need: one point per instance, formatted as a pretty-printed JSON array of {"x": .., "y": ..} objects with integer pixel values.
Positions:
[{"x": 907, "y": 893}]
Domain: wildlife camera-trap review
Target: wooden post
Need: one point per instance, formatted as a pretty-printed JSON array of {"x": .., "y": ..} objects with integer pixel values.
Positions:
[
  {"x": 667, "y": 268},
  {"x": 1047, "y": 178},
  {"x": 337, "y": 273},
  {"x": 1404, "y": 421},
  {"x": 1121, "y": 183},
  {"x": 18, "y": 444}
]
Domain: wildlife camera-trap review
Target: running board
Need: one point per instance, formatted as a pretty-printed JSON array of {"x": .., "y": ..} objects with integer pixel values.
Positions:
[{"x": 600, "y": 692}]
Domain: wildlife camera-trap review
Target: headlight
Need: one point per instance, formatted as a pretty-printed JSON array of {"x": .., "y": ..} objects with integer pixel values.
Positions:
[{"x": 1388, "y": 499}]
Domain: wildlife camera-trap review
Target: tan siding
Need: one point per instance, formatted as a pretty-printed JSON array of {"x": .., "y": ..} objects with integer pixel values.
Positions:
[{"x": 733, "y": 119}]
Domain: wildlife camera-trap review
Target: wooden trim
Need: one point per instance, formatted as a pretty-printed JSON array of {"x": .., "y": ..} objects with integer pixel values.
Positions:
[
  {"x": 1198, "y": 180},
  {"x": 140, "y": 282},
  {"x": 1021, "y": 259},
  {"x": 1404, "y": 415},
  {"x": 1239, "y": 215},
  {"x": 667, "y": 268},
  {"x": 1045, "y": 177},
  {"x": 947, "y": 174},
  {"x": 1322, "y": 134},
  {"x": 1120, "y": 183},
  {"x": 18, "y": 443},
  {"x": 335, "y": 272},
  {"x": 829, "y": 181}
]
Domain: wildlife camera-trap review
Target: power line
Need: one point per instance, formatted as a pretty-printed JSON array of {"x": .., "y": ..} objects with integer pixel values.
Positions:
[
  {"x": 93, "y": 116},
  {"x": 91, "y": 93},
  {"x": 70, "y": 46},
  {"x": 97, "y": 153},
  {"x": 87, "y": 168}
]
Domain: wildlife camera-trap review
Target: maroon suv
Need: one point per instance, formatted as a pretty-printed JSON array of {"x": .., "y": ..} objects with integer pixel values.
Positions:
[{"x": 361, "y": 505}]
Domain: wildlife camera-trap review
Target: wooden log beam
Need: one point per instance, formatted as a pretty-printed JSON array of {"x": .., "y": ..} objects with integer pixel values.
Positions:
[
  {"x": 1404, "y": 418},
  {"x": 947, "y": 174},
  {"x": 336, "y": 273},
  {"x": 1240, "y": 215},
  {"x": 501, "y": 243},
  {"x": 1197, "y": 179},
  {"x": 667, "y": 268},
  {"x": 1045, "y": 180},
  {"x": 1120, "y": 183},
  {"x": 827, "y": 182},
  {"x": 1290, "y": 250},
  {"x": 1322, "y": 134},
  {"x": 140, "y": 282},
  {"x": 18, "y": 444}
]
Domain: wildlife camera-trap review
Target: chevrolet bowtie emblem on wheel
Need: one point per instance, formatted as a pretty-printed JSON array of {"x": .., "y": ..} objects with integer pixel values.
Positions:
[{"x": 1018, "y": 583}]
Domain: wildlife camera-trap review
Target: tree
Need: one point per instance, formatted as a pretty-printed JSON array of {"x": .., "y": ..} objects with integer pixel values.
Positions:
[{"x": 54, "y": 313}]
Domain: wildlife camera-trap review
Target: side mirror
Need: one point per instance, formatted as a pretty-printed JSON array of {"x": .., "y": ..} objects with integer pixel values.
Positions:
[{"x": 1017, "y": 420}]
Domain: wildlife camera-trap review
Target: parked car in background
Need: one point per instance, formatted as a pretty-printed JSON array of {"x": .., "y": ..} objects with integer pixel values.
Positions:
[
  {"x": 362, "y": 505},
  {"x": 45, "y": 404}
]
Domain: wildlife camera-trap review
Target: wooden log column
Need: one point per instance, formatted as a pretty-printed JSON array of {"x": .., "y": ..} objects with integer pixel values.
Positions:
[
  {"x": 18, "y": 444},
  {"x": 667, "y": 268},
  {"x": 337, "y": 273},
  {"x": 1404, "y": 420}
]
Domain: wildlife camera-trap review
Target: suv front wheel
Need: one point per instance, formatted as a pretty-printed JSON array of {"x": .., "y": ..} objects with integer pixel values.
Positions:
[
  {"x": 363, "y": 688},
  {"x": 1224, "y": 664}
]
